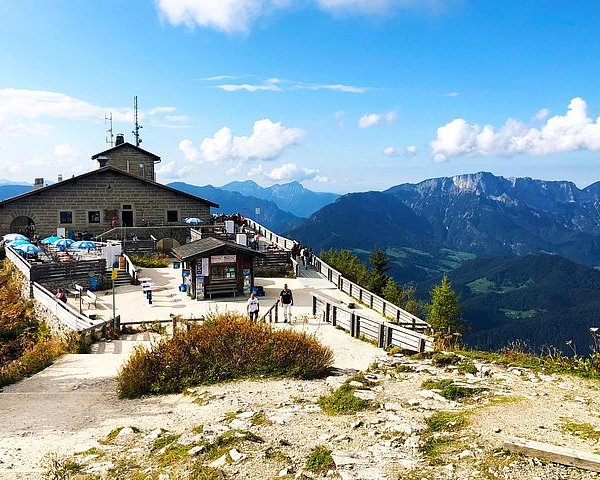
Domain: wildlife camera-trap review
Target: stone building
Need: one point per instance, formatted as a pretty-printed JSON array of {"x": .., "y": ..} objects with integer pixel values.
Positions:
[{"x": 121, "y": 192}]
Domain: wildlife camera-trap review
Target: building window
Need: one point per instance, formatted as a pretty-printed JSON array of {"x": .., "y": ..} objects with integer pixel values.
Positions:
[
  {"x": 94, "y": 217},
  {"x": 223, "y": 272},
  {"x": 172, "y": 216},
  {"x": 66, "y": 217},
  {"x": 126, "y": 207}
]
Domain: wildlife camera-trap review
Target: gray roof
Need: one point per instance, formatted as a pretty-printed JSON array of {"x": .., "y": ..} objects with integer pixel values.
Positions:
[{"x": 206, "y": 245}]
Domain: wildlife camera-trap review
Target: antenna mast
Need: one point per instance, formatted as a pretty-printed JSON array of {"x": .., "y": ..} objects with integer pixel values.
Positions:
[
  {"x": 136, "y": 130},
  {"x": 109, "y": 119}
]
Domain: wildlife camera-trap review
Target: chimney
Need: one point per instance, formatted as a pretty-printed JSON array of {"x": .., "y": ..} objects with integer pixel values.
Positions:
[
  {"x": 38, "y": 183},
  {"x": 120, "y": 139},
  {"x": 60, "y": 177},
  {"x": 102, "y": 160}
]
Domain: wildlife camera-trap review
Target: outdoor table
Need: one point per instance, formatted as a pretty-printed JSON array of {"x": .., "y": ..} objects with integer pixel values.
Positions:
[{"x": 75, "y": 293}]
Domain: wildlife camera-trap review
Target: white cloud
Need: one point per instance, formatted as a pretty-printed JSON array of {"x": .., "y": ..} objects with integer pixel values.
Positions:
[
  {"x": 224, "y": 15},
  {"x": 65, "y": 153},
  {"x": 391, "y": 151},
  {"x": 232, "y": 16},
  {"x": 410, "y": 149},
  {"x": 452, "y": 94},
  {"x": 157, "y": 110},
  {"x": 372, "y": 119},
  {"x": 575, "y": 130},
  {"x": 541, "y": 114},
  {"x": 279, "y": 85},
  {"x": 172, "y": 170},
  {"x": 291, "y": 171},
  {"x": 268, "y": 141}
]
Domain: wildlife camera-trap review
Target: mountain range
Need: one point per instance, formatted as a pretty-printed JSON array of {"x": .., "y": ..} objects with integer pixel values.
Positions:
[
  {"x": 291, "y": 197},
  {"x": 480, "y": 214}
]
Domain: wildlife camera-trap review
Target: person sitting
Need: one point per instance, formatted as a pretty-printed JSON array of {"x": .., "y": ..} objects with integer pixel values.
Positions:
[{"x": 61, "y": 295}]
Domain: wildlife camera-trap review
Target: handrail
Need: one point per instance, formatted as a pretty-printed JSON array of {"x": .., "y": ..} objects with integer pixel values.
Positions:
[
  {"x": 386, "y": 334},
  {"x": 18, "y": 261},
  {"x": 271, "y": 312},
  {"x": 130, "y": 267},
  {"x": 377, "y": 303}
]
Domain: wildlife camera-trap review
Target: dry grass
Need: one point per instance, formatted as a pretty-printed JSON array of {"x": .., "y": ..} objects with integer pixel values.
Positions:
[{"x": 224, "y": 347}]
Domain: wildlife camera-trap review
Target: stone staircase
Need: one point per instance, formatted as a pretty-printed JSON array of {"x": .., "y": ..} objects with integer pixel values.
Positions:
[{"x": 123, "y": 278}]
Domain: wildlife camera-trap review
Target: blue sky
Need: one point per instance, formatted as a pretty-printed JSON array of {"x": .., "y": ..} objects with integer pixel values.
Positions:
[{"x": 344, "y": 95}]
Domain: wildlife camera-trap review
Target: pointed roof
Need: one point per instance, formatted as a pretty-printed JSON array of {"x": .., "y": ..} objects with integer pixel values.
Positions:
[
  {"x": 122, "y": 145},
  {"x": 102, "y": 171},
  {"x": 207, "y": 245}
]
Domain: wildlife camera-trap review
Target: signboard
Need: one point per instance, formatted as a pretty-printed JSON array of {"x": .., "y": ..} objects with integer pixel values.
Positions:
[
  {"x": 202, "y": 267},
  {"x": 114, "y": 274},
  {"x": 222, "y": 259},
  {"x": 199, "y": 288},
  {"x": 246, "y": 275}
]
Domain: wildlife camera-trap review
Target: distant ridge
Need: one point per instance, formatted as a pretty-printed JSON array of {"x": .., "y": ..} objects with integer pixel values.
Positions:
[
  {"x": 270, "y": 215},
  {"x": 292, "y": 197}
]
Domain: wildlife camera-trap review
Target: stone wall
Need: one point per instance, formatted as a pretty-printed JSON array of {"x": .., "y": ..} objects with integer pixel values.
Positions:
[
  {"x": 57, "y": 327},
  {"x": 106, "y": 192},
  {"x": 131, "y": 160}
]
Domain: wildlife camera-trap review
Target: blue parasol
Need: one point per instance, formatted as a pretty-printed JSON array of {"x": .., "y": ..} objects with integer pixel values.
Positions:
[
  {"x": 28, "y": 248},
  {"x": 84, "y": 245},
  {"x": 11, "y": 237},
  {"x": 49, "y": 240}
]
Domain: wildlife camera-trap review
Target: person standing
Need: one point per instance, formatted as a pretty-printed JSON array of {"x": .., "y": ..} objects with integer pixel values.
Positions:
[
  {"x": 287, "y": 300},
  {"x": 306, "y": 257},
  {"x": 302, "y": 257},
  {"x": 253, "y": 307}
]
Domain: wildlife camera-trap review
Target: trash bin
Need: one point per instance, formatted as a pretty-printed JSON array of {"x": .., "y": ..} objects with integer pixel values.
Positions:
[
  {"x": 94, "y": 282},
  {"x": 182, "y": 287}
]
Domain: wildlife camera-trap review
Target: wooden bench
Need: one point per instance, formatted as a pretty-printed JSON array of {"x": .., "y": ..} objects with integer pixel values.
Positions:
[
  {"x": 222, "y": 287},
  {"x": 90, "y": 297}
]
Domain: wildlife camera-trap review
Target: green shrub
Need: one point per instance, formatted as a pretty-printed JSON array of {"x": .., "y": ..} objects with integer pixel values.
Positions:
[
  {"x": 159, "y": 260},
  {"x": 450, "y": 390},
  {"x": 445, "y": 359},
  {"x": 319, "y": 460},
  {"x": 224, "y": 347},
  {"x": 342, "y": 401}
]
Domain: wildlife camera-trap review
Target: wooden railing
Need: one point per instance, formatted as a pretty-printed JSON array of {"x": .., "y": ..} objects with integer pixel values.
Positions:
[
  {"x": 385, "y": 334},
  {"x": 272, "y": 314},
  {"x": 396, "y": 314}
]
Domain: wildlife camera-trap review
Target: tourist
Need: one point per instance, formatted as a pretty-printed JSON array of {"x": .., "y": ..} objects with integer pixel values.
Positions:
[
  {"x": 253, "y": 307},
  {"x": 287, "y": 300},
  {"x": 302, "y": 256},
  {"x": 306, "y": 257},
  {"x": 61, "y": 295}
]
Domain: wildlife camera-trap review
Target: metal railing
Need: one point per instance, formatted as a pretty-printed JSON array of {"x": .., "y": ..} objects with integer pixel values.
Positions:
[
  {"x": 375, "y": 302},
  {"x": 272, "y": 314},
  {"x": 130, "y": 267},
  {"x": 385, "y": 334}
]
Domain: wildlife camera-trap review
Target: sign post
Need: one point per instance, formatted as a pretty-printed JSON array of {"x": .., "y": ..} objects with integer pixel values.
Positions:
[{"x": 113, "y": 276}]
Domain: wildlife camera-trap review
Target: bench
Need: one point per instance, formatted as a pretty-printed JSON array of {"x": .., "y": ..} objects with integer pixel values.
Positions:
[
  {"x": 90, "y": 297},
  {"x": 222, "y": 287}
]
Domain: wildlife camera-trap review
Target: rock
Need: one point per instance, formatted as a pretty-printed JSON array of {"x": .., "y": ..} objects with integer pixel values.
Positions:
[
  {"x": 412, "y": 442},
  {"x": 465, "y": 454},
  {"x": 357, "y": 424},
  {"x": 284, "y": 471},
  {"x": 100, "y": 468},
  {"x": 189, "y": 439},
  {"x": 413, "y": 402},
  {"x": 335, "y": 382},
  {"x": 246, "y": 415},
  {"x": 219, "y": 462},
  {"x": 163, "y": 476},
  {"x": 326, "y": 437},
  {"x": 237, "y": 456},
  {"x": 126, "y": 432},
  {"x": 237, "y": 424},
  {"x": 341, "y": 438},
  {"x": 497, "y": 430},
  {"x": 284, "y": 443},
  {"x": 392, "y": 406},
  {"x": 341, "y": 458},
  {"x": 197, "y": 450},
  {"x": 153, "y": 435},
  {"x": 365, "y": 394},
  {"x": 356, "y": 384}
]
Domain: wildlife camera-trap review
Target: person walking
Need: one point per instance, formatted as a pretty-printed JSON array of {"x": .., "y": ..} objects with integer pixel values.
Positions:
[
  {"x": 302, "y": 252},
  {"x": 253, "y": 307},
  {"x": 287, "y": 300},
  {"x": 306, "y": 258}
]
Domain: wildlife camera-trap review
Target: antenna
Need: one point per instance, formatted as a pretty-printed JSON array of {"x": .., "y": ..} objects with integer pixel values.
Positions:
[
  {"x": 136, "y": 130},
  {"x": 110, "y": 130}
]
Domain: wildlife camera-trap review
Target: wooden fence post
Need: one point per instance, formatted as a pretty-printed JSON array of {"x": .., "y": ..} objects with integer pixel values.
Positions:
[
  {"x": 381, "y": 337},
  {"x": 276, "y": 312},
  {"x": 314, "y": 305},
  {"x": 334, "y": 316},
  {"x": 327, "y": 311},
  {"x": 352, "y": 324}
]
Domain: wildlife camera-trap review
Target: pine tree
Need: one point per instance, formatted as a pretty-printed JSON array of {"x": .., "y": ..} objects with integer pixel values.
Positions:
[
  {"x": 444, "y": 310},
  {"x": 392, "y": 292},
  {"x": 378, "y": 277}
]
